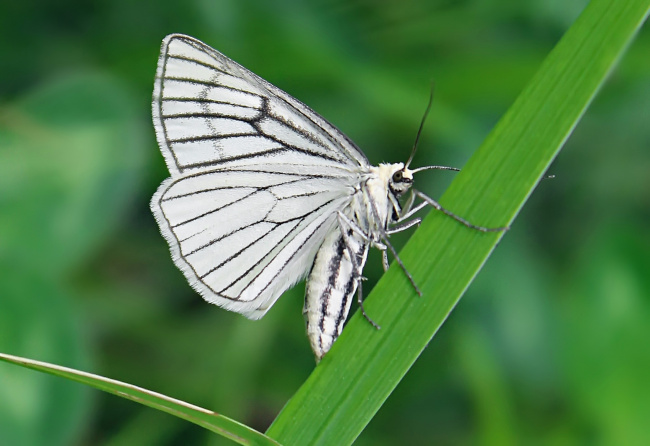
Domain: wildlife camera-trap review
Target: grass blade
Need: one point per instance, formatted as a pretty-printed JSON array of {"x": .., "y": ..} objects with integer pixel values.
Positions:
[
  {"x": 205, "y": 418},
  {"x": 354, "y": 379}
]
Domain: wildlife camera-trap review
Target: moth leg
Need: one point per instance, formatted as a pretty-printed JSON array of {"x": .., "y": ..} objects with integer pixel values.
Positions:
[
  {"x": 354, "y": 227},
  {"x": 403, "y": 226},
  {"x": 384, "y": 260},
  {"x": 433, "y": 203},
  {"x": 406, "y": 209},
  {"x": 381, "y": 246},
  {"x": 384, "y": 237},
  {"x": 401, "y": 264},
  {"x": 397, "y": 228},
  {"x": 343, "y": 221},
  {"x": 409, "y": 210}
]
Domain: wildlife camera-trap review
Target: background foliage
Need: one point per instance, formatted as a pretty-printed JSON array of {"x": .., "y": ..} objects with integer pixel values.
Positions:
[{"x": 549, "y": 346}]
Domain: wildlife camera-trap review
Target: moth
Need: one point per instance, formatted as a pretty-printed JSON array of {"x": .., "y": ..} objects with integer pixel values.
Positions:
[{"x": 264, "y": 192}]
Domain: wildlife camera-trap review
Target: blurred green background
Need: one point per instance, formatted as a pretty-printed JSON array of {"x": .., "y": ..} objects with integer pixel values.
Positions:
[{"x": 551, "y": 344}]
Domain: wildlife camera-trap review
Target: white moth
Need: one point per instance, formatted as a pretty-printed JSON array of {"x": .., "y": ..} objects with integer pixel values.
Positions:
[{"x": 264, "y": 191}]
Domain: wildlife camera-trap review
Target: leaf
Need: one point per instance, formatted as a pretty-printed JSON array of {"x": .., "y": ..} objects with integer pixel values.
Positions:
[
  {"x": 364, "y": 366},
  {"x": 205, "y": 418}
]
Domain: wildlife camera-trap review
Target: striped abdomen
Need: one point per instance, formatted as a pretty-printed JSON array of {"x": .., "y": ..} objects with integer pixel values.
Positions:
[{"x": 330, "y": 288}]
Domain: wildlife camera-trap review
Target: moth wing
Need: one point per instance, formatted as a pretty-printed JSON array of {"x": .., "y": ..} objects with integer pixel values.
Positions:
[
  {"x": 257, "y": 177},
  {"x": 209, "y": 111}
]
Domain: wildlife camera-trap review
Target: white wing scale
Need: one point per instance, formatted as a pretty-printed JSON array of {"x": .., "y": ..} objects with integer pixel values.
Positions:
[{"x": 257, "y": 177}]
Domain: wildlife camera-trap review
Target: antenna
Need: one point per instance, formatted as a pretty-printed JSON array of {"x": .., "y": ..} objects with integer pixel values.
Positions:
[
  {"x": 419, "y": 169},
  {"x": 424, "y": 118}
]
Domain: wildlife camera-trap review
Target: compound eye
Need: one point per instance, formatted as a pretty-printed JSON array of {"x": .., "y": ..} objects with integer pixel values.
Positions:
[{"x": 398, "y": 177}]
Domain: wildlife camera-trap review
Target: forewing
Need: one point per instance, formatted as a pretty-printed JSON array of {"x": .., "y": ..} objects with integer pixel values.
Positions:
[{"x": 210, "y": 112}]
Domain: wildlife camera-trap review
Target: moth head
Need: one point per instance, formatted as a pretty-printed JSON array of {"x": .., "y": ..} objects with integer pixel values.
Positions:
[{"x": 400, "y": 180}]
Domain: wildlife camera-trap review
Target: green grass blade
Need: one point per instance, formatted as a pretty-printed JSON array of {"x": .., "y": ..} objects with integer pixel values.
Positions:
[
  {"x": 205, "y": 418},
  {"x": 364, "y": 366}
]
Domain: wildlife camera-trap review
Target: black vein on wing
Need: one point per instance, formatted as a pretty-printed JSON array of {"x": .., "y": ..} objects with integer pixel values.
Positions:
[
  {"x": 211, "y": 84},
  {"x": 255, "y": 121},
  {"x": 266, "y": 113},
  {"x": 301, "y": 176},
  {"x": 345, "y": 171},
  {"x": 213, "y": 211},
  {"x": 211, "y": 115},
  {"x": 238, "y": 253},
  {"x": 205, "y": 100},
  {"x": 210, "y": 138},
  {"x": 199, "y": 62},
  {"x": 309, "y": 136},
  {"x": 332, "y": 138},
  {"x": 161, "y": 89},
  {"x": 262, "y": 220},
  {"x": 256, "y": 191},
  {"x": 230, "y": 68},
  {"x": 275, "y": 251},
  {"x": 204, "y": 48},
  {"x": 283, "y": 149}
]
